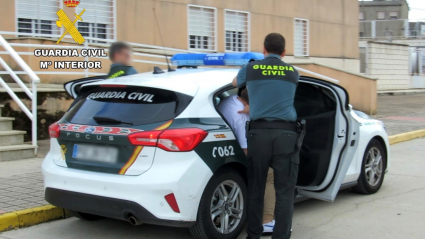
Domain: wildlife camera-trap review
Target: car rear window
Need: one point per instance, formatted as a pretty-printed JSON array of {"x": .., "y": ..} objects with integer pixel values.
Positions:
[{"x": 126, "y": 106}]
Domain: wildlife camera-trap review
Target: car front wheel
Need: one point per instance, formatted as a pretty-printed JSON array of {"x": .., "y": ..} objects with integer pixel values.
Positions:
[
  {"x": 222, "y": 211},
  {"x": 373, "y": 169}
]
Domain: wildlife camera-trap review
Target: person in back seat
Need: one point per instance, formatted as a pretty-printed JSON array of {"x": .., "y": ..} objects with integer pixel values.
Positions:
[{"x": 234, "y": 108}]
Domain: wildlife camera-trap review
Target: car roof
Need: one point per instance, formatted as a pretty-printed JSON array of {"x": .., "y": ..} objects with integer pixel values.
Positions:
[{"x": 187, "y": 81}]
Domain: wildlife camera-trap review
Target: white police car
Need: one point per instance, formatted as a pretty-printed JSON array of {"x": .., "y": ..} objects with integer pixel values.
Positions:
[{"x": 152, "y": 148}]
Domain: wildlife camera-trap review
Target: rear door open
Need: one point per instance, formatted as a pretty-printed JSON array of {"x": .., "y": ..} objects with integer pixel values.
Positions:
[{"x": 345, "y": 142}]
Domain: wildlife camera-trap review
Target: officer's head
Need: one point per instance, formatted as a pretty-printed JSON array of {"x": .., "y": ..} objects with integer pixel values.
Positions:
[
  {"x": 120, "y": 52},
  {"x": 274, "y": 43}
]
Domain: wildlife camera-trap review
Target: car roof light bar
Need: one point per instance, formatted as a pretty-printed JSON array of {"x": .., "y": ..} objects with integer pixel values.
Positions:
[
  {"x": 215, "y": 59},
  {"x": 228, "y": 59}
]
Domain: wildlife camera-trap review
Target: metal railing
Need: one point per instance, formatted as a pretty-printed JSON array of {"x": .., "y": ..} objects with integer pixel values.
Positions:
[
  {"x": 100, "y": 43},
  {"x": 391, "y": 29},
  {"x": 32, "y": 94}
]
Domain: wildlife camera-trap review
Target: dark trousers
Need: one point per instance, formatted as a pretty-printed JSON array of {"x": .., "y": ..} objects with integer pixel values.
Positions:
[{"x": 271, "y": 148}]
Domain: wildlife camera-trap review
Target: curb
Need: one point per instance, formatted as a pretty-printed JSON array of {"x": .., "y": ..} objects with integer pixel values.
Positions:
[
  {"x": 30, "y": 217},
  {"x": 398, "y": 138}
]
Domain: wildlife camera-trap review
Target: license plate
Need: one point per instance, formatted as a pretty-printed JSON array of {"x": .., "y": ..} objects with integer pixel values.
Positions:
[{"x": 92, "y": 153}]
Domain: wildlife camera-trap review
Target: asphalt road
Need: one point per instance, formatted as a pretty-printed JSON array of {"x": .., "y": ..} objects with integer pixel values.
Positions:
[{"x": 396, "y": 211}]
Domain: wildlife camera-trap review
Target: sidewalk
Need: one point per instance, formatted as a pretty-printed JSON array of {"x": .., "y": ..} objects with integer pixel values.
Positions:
[
  {"x": 21, "y": 185},
  {"x": 21, "y": 182},
  {"x": 401, "y": 113}
]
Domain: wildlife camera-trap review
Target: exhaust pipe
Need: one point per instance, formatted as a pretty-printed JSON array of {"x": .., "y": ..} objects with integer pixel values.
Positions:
[{"x": 134, "y": 221}]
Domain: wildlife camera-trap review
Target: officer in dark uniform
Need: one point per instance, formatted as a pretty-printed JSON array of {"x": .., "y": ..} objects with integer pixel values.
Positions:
[
  {"x": 273, "y": 135},
  {"x": 120, "y": 55}
]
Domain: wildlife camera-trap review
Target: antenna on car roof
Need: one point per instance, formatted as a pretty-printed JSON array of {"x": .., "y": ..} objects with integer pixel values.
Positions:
[{"x": 162, "y": 41}]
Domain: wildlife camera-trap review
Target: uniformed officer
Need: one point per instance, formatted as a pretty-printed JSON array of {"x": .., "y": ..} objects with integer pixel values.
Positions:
[
  {"x": 272, "y": 135},
  {"x": 120, "y": 55}
]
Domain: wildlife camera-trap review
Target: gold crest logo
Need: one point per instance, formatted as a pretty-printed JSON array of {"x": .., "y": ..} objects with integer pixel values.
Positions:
[
  {"x": 71, "y": 3},
  {"x": 69, "y": 26}
]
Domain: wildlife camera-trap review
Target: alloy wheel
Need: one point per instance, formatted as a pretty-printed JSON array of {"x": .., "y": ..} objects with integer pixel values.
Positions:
[
  {"x": 227, "y": 206},
  {"x": 374, "y": 166}
]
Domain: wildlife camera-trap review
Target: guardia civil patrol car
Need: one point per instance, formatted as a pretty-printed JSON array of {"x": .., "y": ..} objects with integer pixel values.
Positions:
[{"x": 152, "y": 148}]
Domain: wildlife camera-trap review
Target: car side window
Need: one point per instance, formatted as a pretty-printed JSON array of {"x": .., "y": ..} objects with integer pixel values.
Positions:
[
  {"x": 225, "y": 94},
  {"x": 313, "y": 100}
]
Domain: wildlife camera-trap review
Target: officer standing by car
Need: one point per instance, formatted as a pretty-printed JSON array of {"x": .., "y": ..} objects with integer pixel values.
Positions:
[
  {"x": 120, "y": 55},
  {"x": 272, "y": 134}
]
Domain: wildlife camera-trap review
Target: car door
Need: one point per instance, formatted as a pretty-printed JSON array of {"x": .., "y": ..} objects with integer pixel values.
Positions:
[
  {"x": 345, "y": 143},
  {"x": 73, "y": 87}
]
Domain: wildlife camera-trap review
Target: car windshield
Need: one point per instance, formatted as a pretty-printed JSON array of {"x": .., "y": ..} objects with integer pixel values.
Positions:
[{"x": 123, "y": 105}]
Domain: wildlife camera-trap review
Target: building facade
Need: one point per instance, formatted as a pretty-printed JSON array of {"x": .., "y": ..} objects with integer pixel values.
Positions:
[
  {"x": 383, "y": 17},
  {"x": 316, "y": 31}
]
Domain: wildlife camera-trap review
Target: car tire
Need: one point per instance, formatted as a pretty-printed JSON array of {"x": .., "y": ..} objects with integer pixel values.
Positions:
[
  {"x": 213, "y": 201},
  {"x": 370, "y": 181},
  {"x": 85, "y": 216}
]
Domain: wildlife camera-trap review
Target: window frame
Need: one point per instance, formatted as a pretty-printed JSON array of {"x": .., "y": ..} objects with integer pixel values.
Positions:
[
  {"x": 390, "y": 17},
  {"x": 307, "y": 50},
  {"x": 377, "y": 15},
  {"x": 188, "y": 28},
  {"x": 362, "y": 14},
  {"x": 54, "y": 29},
  {"x": 248, "y": 27},
  {"x": 112, "y": 26}
]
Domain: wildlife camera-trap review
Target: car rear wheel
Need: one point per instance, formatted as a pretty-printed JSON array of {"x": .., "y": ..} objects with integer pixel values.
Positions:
[
  {"x": 373, "y": 169},
  {"x": 222, "y": 211},
  {"x": 85, "y": 216}
]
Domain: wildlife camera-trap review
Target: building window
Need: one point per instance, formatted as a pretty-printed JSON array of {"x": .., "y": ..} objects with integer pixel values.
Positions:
[
  {"x": 202, "y": 28},
  {"x": 380, "y": 15},
  {"x": 301, "y": 28},
  {"x": 237, "y": 30},
  {"x": 393, "y": 15},
  {"x": 361, "y": 15},
  {"x": 37, "y": 17},
  {"x": 98, "y": 20}
]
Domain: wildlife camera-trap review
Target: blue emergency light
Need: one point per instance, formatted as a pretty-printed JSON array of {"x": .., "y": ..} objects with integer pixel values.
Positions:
[{"x": 215, "y": 59}]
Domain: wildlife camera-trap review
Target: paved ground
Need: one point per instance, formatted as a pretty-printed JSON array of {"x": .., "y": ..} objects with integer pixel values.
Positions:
[
  {"x": 402, "y": 113},
  {"x": 21, "y": 185},
  {"x": 396, "y": 211}
]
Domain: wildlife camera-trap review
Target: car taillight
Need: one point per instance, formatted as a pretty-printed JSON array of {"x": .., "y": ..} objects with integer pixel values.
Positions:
[
  {"x": 146, "y": 138},
  {"x": 179, "y": 140},
  {"x": 54, "y": 130}
]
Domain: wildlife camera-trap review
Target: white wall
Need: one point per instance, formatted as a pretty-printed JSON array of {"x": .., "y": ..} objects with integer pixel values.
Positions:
[
  {"x": 390, "y": 64},
  {"x": 351, "y": 65}
]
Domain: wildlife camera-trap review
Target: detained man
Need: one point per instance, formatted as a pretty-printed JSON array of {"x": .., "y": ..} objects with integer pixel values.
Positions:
[{"x": 235, "y": 110}]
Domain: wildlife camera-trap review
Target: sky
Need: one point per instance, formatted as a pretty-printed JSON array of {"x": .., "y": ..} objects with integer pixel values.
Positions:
[{"x": 417, "y": 9}]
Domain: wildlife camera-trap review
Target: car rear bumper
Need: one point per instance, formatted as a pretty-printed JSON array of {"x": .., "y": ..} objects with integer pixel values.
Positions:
[
  {"x": 184, "y": 174},
  {"x": 107, "y": 207}
]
